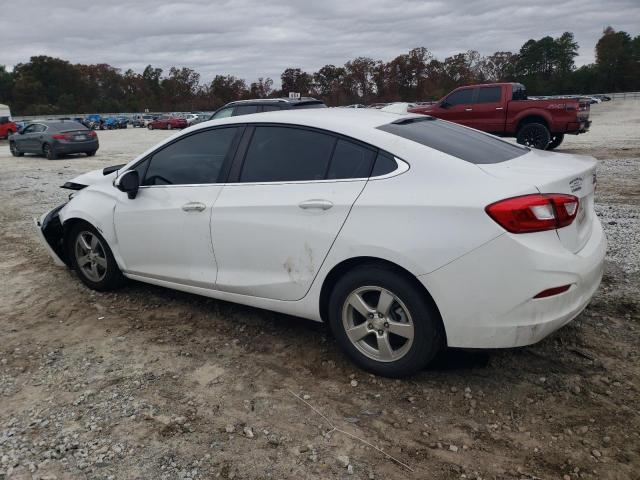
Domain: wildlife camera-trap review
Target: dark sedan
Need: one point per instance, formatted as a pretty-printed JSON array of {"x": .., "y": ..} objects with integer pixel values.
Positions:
[{"x": 53, "y": 139}]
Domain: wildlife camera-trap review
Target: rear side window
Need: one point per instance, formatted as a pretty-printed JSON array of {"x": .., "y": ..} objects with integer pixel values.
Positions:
[
  {"x": 245, "y": 110},
  {"x": 489, "y": 95},
  {"x": 460, "y": 97},
  {"x": 195, "y": 159},
  {"x": 384, "y": 164},
  {"x": 350, "y": 160},
  {"x": 464, "y": 143},
  {"x": 282, "y": 154}
]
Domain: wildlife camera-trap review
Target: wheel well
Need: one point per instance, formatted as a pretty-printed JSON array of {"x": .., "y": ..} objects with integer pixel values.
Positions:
[
  {"x": 532, "y": 119},
  {"x": 340, "y": 269},
  {"x": 67, "y": 226}
]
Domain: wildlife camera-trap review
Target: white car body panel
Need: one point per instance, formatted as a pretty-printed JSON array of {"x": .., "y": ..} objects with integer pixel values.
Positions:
[{"x": 253, "y": 244}]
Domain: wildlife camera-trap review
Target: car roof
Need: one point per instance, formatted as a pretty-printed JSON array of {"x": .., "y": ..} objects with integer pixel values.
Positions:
[{"x": 275, "y": 101}]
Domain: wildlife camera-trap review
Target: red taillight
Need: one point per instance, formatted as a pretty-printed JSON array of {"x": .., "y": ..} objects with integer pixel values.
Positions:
[
  {"x": 92, "y": 134},
  {"x": 549, "y": 292},
  {"x": 61, "y": 136},
  {"x": 534, "y": 213}
]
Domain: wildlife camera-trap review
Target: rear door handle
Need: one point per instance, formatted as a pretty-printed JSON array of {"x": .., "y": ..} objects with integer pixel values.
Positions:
[
  {"x": 194, "y": 207},
  {"x": 468, "y": 109},
  {"x": 499, "y": 108},
  {"x": 316, "y": 204}
]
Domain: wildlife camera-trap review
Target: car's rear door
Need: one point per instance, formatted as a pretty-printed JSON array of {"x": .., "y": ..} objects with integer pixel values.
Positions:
[
  {"x": 289, "y": 193},
  {"x": 164, "y": 233},
  {"x": 488, "y": 111}
]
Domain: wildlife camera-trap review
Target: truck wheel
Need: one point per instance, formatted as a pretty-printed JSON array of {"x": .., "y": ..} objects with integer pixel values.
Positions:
[
  {"x": 534, "y": 135},
  {"x": 556, "y": 140}
]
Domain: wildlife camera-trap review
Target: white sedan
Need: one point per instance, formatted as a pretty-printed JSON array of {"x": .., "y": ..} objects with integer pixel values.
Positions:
[{"x": 405, "y": 233}]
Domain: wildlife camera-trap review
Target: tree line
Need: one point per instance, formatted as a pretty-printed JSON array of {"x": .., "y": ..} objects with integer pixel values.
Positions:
[{"x": 47, "y": 85}]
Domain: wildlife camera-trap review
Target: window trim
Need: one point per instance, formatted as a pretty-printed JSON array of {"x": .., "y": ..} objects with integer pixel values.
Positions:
[
  {"x": 224, "y": 170},
  {"x": 241, "y": 153}
]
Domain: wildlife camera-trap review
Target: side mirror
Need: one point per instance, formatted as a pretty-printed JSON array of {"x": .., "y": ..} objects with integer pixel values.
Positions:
[{"x": 128, "y": 182}]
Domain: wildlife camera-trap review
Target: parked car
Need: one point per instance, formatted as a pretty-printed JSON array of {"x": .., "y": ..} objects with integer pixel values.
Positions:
[
  {"x": 166, "y": 122},
  {"x": 94, "y": 122},
  {"x": 142, "y": 120},
  {"x": 122, "y": 122},
  {"x": 503, "y": 109},
  {"x": 53, "y": 139},
  {"x": 7, "y": 126},
  {"x": 602, "y": 97},
  {"x": 404, "y": 232},
  {"x": 246, "y": 107}
]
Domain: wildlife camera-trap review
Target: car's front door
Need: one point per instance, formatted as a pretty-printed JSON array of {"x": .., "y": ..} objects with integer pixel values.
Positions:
[
  {"x": 288, "y": 195},
  {"x": 457, "y": 107},
  {"x": 164, "y": 233}
]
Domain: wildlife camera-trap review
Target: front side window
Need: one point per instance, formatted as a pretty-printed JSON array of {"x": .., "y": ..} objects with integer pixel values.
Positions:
[
  {"x": 283, "y": 154},
  {"x": 489, "y": 95},
  {"x": 245, "y": 110},
  {"x": 350, "y": 160},
  {"x": 461, "y": 97},
  {"x": 29, "y": 129},
  {"x": 224, "y": 113},
  {"x": 195, "y": 159}
]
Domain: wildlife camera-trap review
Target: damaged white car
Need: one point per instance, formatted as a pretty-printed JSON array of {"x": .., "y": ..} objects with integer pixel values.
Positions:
[{"x": 405, "y": 233}]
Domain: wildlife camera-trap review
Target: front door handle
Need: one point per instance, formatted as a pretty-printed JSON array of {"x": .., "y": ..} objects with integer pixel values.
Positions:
[
  {"x": 194, "y": 207},
  {"x": 468, "y": 109},
  {"x": 316, "y": 204},
  {"x": 499, "y": 108}
]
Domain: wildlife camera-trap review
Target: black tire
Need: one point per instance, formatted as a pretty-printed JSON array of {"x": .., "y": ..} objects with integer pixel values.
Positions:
[
  {"x": 534, "y": 135},
  {"x": 49, "y": 152},
  {"x": 169, "y": 126},
  {"x": 112, "y": 278},
  {"x": 556, "y": 140},
  {"x": 91, "y": 153},
  {"x": 14, "y": 150},
  {"x": 428, "y": 334}
]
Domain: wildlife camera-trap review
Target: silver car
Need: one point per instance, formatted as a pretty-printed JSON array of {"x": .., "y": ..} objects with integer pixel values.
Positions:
[{"x": 54, "y": 138}]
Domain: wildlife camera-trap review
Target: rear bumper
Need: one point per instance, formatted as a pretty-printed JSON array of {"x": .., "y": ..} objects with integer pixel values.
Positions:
[
  {"x": 486, "y": 297},
  {"x": 76, "y": 147},
  {"x": 576, "y": 128}
]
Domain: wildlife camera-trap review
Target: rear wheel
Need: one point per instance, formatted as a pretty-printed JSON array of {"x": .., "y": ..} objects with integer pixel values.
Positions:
[
  {"x": 49, "y": 152},
  {"x": 383, "y": 322},
  {"x": 91, "y": 153},
  {"x": 14, "y": 150},
  {"x": 150, "y": 127},
  {"x": 534, "y": 135},
  {"x": 169, "y": 126},
  {"x": 556, "y": 140},
  {"x": 92, "y": 258}
]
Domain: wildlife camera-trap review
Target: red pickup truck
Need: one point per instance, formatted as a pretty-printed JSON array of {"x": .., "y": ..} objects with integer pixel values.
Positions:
[
  {"x": 7, "y": 127},
  {"x": 503, "y": 109}
]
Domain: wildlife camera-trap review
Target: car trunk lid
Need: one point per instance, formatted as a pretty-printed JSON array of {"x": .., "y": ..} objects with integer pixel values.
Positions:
[{"x": 556, "y": 173}]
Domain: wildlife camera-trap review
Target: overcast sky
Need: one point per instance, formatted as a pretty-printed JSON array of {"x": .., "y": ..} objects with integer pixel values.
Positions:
[{"x": 252, "y": 38}]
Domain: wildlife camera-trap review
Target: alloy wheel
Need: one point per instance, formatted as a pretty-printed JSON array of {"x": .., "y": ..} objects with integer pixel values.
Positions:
[
  {"x": 90, "y": 256},
  {"x": 378, "y": 323}
]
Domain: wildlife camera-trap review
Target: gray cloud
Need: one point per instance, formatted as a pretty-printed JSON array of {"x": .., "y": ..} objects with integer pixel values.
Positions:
[{"x": 250, "y": 38}]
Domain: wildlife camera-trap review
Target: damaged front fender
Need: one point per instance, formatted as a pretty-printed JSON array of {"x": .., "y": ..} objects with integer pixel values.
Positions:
[{"x": 51, "y": 235}]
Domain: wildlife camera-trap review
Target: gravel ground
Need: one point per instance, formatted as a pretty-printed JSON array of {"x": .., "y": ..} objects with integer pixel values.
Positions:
[{"x": 148, "y": 383}]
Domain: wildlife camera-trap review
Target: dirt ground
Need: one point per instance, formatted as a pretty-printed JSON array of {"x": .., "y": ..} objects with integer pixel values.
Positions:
[{"x": 149, "y": 383}]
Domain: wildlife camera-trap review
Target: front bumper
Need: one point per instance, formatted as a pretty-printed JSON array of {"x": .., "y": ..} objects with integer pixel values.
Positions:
[
  {"x": 486, "y": 297},
  {"x": 51, "y": 235}
]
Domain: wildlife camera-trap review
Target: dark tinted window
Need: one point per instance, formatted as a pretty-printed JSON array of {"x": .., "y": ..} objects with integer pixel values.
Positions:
[
  {"x": 245, "y": 109},
  {"x": 270, "y": 108},
  {"x": 194, "y": 159},
  {"x": 464, "y": 143},
  {"x": 489, "y": 95},
  {"x": 29, "y": 129},
  {"x": 309, "y": 105},
  {"x": 39, "y": 128},
  {"x": 350, "y": 161},
  {"x": 281, "y": 154},
  {"x": 67, "y": 126},
  {"x": 4, "y": 120},
  {"x": 384, "y": 164},
  {"x": 518, "y": 92},
  {"x": 460, "y": 97}
]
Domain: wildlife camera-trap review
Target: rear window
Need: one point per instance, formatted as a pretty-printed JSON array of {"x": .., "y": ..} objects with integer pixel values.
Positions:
[
  {"x": 464, "y": 143},
  {"x": 66, "y": 126}
]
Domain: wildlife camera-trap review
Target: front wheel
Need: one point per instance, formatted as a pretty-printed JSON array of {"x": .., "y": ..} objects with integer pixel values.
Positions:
[
  {"x": 534, "y": 135},
  {"x": 556, "y": 140},
  {"x": 14, "y": 150},
  {"x": 169, "y": 126},
  {"x": 384, "y": 322},
  {"x": 92, "y": 259}
]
